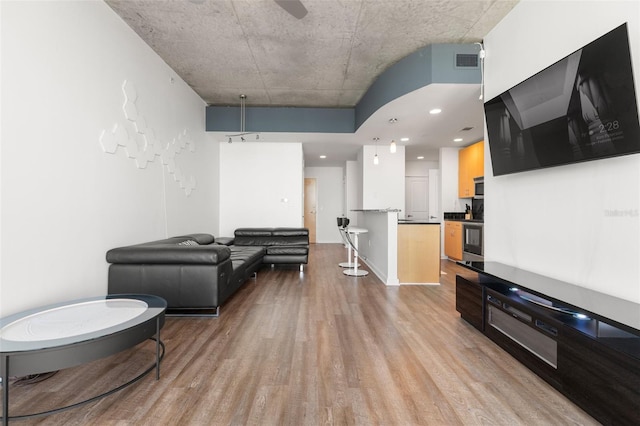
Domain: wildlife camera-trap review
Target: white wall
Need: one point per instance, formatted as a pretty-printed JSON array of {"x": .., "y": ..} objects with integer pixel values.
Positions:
[
  {"x": 65, "y": 201},
  {"x": 420, "y": 168},
  {"x": 383, "y": 184},
  {"x": 261, "y": 185},
  {"x": 352, "y": 185},
  {"x": 330, "y": 193},
  {"x": 449, "y": 201},
  {"x": 558, "y": 221}
]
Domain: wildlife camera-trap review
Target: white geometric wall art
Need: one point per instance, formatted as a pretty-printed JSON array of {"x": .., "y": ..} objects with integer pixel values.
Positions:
[
  {"x": 142, "y": 146},
  {"x": 140, "y": 124},
  {"x": 131, "y": 147},
  {"x": 168, "y": 154},
  {"x": 108, "y": 140},
  {"x": 130, "y": 96},
  {"x": 171, "y": 166},
  {"x": 121, "y": 134}
]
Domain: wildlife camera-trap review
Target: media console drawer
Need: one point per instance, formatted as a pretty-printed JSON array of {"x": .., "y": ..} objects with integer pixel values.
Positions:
[{"x": 534, "y": 341}]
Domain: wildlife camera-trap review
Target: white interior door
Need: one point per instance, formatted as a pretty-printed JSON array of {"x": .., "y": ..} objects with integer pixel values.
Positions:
[
  {"x": 434, "y": 194},
  {"x": 416, "y": 198}
]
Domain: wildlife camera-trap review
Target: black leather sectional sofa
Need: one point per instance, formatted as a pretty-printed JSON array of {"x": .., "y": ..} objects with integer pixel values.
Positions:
[{"x": 196, "y": 273}]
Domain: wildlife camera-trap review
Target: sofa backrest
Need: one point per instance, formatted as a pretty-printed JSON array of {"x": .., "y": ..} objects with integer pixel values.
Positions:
[{"x": 271, "y": 236}]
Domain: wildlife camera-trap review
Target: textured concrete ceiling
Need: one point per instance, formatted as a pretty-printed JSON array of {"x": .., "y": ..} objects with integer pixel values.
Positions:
[{"x": 329, "y": 58}]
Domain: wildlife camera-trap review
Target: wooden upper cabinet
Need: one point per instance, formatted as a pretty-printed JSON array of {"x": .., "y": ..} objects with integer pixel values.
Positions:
[{"x": 470, "y": 165}]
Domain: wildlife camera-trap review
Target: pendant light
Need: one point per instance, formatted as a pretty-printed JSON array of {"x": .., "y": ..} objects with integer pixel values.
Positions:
[
  {"x": 376, "y": 160},
  {"x": 393, "y": 147}
]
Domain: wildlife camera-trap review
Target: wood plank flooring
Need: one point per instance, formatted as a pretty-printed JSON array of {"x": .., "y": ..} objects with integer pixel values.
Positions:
[{"x": 310, "y": 349}]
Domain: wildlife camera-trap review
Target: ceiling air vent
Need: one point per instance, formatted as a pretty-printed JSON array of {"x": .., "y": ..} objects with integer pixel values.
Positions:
[
  {"x": 466, "y": 129},
  {"x": 466, "y": 60}
]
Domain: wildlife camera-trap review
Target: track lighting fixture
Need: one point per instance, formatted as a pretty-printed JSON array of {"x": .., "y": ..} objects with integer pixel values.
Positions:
[{"x": 243, "y": 133}]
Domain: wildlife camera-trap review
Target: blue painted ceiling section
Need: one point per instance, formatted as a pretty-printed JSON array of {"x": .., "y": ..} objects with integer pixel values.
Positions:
[
  {"x": 429, "y": 65},
  {"x": 281, "y": 119}
]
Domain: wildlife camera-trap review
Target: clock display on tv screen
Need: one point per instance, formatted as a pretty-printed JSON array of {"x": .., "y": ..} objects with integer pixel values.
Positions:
[{"x": 581, "y": 108}]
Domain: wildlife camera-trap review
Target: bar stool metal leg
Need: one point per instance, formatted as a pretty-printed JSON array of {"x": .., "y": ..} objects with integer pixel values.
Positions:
[{"x": 355, "y": 272}]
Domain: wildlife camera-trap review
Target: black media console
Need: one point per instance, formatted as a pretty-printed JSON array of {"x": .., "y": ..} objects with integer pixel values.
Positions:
[{"x": 584, "y": 343}]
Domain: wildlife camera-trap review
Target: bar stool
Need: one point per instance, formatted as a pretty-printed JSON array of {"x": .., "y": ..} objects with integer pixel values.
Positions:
[
  {"x": 343, "y": 222},
  {"x": 355, "y": 272}
]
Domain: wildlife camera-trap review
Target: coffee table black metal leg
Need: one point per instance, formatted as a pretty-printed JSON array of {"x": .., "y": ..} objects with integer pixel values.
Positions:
[
  {"x": 4, "y": 374},
  {"x": 158, "y": 348}
]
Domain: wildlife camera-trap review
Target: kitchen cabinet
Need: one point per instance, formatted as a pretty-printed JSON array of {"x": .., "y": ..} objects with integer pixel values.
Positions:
[
  {"x": 470, "y": 166},
  {"x": 453, "y": 239},
  {"x": 419, "y": 253}
]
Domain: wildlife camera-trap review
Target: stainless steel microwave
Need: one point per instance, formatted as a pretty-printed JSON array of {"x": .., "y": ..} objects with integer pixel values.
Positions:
[{"x": 478, "y": 187}]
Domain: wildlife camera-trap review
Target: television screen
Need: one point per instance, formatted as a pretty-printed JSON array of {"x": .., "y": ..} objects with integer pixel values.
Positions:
[{"x": 581, "y": 108}]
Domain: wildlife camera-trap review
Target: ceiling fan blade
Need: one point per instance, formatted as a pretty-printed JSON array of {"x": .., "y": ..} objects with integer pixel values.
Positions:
[{"x": 294, "y": 7}]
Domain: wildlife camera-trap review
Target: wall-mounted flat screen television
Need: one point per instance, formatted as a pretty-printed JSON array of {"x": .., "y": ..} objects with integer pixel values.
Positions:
[{"x": 581, "y": 108}]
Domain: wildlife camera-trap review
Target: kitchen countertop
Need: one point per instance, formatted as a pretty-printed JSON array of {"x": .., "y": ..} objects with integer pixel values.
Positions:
[
  {"x": 377, "y": 210},
  {"x": 417, "y": 222}
]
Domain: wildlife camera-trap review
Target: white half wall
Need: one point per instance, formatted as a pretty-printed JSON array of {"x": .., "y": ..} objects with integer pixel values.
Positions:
[
  {"x": 562, "y": 221},
  {"x": 103, "y": 145},
  {"x": 261, "y": 185},
  {"x": 378, "y": 247},
  {"x": 330, "y": 192},
  {"x": 449, "y": 201},
  {"x": 383, "y": 184},
  {"x": 353, "y": 186}
]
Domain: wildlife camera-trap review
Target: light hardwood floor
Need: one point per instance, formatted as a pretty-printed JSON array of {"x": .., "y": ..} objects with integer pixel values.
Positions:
[{"x": 310, "y": 349}]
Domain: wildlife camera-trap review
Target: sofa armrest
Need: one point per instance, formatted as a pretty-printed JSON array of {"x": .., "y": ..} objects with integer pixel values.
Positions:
[
  {"x": 169, "y": 254},
  {"x": 199, "y": 238}
]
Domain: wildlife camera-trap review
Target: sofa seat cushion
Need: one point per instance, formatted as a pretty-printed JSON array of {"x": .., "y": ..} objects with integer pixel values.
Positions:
[
  {"x": 242, "y": 257},
  {"x": 288, "y": 250}
]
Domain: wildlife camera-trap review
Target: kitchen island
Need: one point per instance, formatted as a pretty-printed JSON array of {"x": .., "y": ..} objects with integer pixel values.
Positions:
[
  {"x": 418, "y": 252},
  {"x": 399, "y": 251},
  {"x": 379, "y": 247}
]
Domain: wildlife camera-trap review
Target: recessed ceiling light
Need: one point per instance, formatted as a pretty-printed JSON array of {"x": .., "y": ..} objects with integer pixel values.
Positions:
[
  {"x": 457, "y": 140},
  {"x": 404, "y": 139},
  {"x": 435, "y": 111},
  {"x": 323, "y": 156},
  {"x": 421, "y": 158}
]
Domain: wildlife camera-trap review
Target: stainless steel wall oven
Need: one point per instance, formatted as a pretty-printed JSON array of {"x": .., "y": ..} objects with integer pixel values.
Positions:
[{"x": 473, "y": 241}]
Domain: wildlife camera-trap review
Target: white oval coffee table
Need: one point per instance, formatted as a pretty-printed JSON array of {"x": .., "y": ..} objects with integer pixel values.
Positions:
[{"x": 67, "y": 334}]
